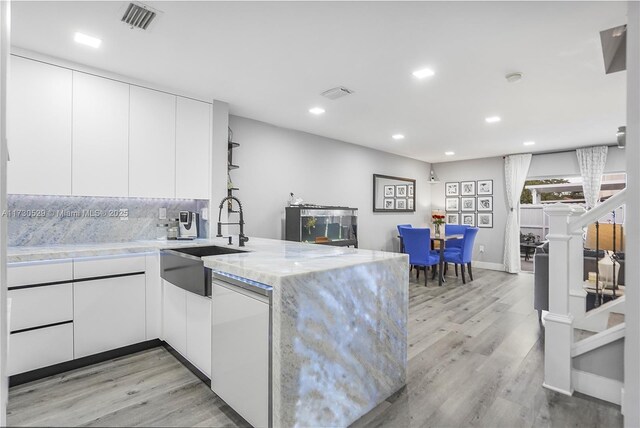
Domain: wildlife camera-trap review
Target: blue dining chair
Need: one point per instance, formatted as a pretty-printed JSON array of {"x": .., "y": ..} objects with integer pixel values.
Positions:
[
  {"x": 400, "y": 227},
  {"x": 417, "y": 243},
  {"x": 462, "y": 256},
  {"x": 454, "y": 229}
]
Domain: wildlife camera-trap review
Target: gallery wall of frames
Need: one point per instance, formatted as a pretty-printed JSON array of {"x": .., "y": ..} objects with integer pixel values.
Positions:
[{"x": 469, "y": 202}]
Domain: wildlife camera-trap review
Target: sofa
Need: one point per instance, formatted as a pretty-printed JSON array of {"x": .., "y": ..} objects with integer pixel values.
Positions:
[{"x": 541, "y": 274}]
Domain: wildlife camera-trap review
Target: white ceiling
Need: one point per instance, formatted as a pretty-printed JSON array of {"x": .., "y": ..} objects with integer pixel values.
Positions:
[{"x": 271, "y": 60}]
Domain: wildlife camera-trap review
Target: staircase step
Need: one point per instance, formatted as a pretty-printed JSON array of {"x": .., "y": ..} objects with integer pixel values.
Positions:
[
  {"x": 615, "y": 318},
  {"x": 579, "y": 334}
]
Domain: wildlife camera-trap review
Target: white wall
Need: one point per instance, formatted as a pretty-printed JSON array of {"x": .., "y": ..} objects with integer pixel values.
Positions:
[
  {"x": 478, "y": 169},
  {"x": 276, "y": 161},
  {"x": 565, "y": 164}
]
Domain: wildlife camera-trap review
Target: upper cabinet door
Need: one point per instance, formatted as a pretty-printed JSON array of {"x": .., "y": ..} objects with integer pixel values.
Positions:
[
  {"x": 39, "y": 128},
  {"x": 152, "y": 144},
  {"x": 193, "y": 140},
  {"x": 100, "y": 136}
]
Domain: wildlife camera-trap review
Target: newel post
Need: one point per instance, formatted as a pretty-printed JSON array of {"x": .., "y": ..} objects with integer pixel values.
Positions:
[
  {"x": 577, "y": 295},
  {"x": 559, "y": 321}
]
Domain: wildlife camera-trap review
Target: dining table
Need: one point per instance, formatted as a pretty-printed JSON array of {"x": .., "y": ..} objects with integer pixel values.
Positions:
[{"x": 441, "y": 240}]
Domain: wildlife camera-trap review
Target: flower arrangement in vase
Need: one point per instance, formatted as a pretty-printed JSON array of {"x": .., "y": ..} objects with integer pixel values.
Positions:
[{"x": 437, "y": 220}]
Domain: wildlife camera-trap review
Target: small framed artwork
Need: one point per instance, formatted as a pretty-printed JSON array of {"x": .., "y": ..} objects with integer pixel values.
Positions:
[
  {"x": 401, "y": 190},
  {"x": 452, "y": 218},
  {"x": 468, "y": 219},
  {"x": 452, "y": 204},
  {"x": 485, "y": 203},
  {"x": 389, "y": 204},
  {"x": 401, "y": 204},
  {"x": 410, "y": 204},
  {"x": 485, "y": 187},
  {"x": 468, "y": 204},
  {"x": 485, "y": 220},
  {"x": 452, "y": 189},
  {"x": 410, "y": 190},
  {"x": 468, "y": 188},
  {"x": 389, "y": 191}
]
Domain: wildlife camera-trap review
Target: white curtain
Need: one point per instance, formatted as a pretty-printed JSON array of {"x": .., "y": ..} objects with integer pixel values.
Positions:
[
  {"x": 516, "y": 168},
  {"x": 592, "y": 161}
]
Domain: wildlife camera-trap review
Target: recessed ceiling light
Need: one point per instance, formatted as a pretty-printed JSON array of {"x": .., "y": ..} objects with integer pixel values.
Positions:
[
  {"x": 529, "y": 143},
  {"x": 316, "y": 110},
  {"x": 493, "y": 119},
  {"x": 449, "y": 153},
  {"x": 425, "y": 72},
  {"x": 397, "y": 137},
  {"x": 87, "y": 40}
]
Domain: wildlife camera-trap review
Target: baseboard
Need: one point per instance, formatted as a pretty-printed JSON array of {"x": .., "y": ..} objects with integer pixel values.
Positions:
[
  {"x": 560, "y": 390},
  {"x": 20, "y": 378},
  {"x": 597, "y": 386},
  {"x": 488, "y": 265},
  {"x": 192, "y": 368}
]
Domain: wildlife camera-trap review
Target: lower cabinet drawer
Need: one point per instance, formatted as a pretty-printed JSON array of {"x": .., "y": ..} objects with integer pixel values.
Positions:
[
  {"x": 38, "y": 306},
  {"x": 39, "y": 348}
]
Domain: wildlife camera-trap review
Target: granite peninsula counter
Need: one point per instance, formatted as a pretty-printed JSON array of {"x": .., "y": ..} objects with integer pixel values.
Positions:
[
  {"x": 338, "y": 320},
  {"x": 339, "y": 327}
]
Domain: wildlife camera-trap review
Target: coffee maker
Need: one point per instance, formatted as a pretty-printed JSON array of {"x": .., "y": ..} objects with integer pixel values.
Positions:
[{"x": 189, "y": 225}]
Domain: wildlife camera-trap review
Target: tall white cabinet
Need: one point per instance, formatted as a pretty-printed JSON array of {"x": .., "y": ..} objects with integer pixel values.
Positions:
[
  {"x": 152, "y": 144},
  {"x": 100, "y": 136},
  {"x": 193, "y": 133},
  {"x": 39, "y": 128}
]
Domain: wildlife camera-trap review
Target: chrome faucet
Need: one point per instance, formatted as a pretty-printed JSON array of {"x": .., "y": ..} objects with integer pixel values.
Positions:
[{"x": 242, "y": 238}]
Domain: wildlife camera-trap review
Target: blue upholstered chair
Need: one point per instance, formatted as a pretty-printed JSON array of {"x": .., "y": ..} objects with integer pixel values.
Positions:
[
  {"x": 462, "y": 256},
  {"x": 400, "y": 227},
  {"x": 417, "y": 243},
  {"x": 454, "y": 229}
]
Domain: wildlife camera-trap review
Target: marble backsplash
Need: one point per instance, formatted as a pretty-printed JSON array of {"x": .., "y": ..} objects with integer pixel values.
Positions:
[{"x": 58, "y": 220}]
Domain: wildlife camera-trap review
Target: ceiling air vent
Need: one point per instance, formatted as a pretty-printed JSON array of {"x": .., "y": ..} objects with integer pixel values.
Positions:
[
  {"x": 335, "y": 93},
  {"x": 138, "y": 15}
]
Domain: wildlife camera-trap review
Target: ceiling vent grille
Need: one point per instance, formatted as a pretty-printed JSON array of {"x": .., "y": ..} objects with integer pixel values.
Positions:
[
  {"x": 138, "y": 15},
  {"x": 338, "y": 92}
]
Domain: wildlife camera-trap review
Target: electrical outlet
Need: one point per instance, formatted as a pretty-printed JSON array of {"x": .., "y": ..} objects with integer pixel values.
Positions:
[
  {"x": 162, "y": 213},
  {"x": 204, "y": 214},
  {"x": 481, "y": 248}
]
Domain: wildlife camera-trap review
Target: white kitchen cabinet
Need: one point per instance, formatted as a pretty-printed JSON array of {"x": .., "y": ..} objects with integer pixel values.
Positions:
[
  {"x": 174, "y": 317},
  {"x": 108, "y": 313},
  {"x": 100, "y": 136},
  {"x": 92, "y": 267},
  {"x": 193, "y": 140},
  {"x": 152, "y": 143},
  {"x": 39, "y": 348},
  {"x": 40, "y": 306},
  {"x": 39, "y": 131},
  {"x": 240, "y": 351},
  {"x": 39, "y": 272},
  {"x": 199, "y": 332},
  {"x": 153, "y": 283}
]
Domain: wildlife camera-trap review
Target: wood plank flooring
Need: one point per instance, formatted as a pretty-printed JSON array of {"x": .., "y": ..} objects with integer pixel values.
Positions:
[{"x": 475, "y": 359}]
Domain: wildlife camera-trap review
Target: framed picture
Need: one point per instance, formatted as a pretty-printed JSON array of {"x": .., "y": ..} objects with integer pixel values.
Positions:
[
  {"x": 485, "y": 220},
  {"x": 485, "y": 187},
  {"x": 401, "y": 204},
  {"x": 410, "y": 190},
  {"x": 468, "y": 219},
  {"x": 452, "y": 189},
  {"x": 452, "y": 204},
  {"x": 468, "y": 188},
  {"x": 452, "y": 218},
  {"x": 468, "y": 204},
  {"x": 485, "y": 203},
  {"x": 389, "y": 204},
  {"x": 401, "y": 190},
  {"x": 410, "y": 204},
  {"x": 389, "y": 191}
]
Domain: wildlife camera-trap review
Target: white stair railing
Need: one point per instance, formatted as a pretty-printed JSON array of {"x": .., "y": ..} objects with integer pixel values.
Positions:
[{"x": 567, "y": 298}]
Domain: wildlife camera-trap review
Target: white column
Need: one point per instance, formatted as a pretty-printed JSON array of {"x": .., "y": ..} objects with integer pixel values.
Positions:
[
  {"x": 577, "y": 295},
  {"x": 558, "y": 322},
  {"x": 219, "y": 147},
  {"x": 534, "y": 197},
  {"x": 630, "y": 405}
]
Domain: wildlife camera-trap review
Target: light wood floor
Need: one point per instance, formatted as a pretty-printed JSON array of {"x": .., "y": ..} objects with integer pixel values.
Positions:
[{"x": 475, "y": 359}]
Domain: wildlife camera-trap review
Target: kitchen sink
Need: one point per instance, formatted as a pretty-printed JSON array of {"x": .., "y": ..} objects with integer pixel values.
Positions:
[{"x": 184, "y": 268}]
